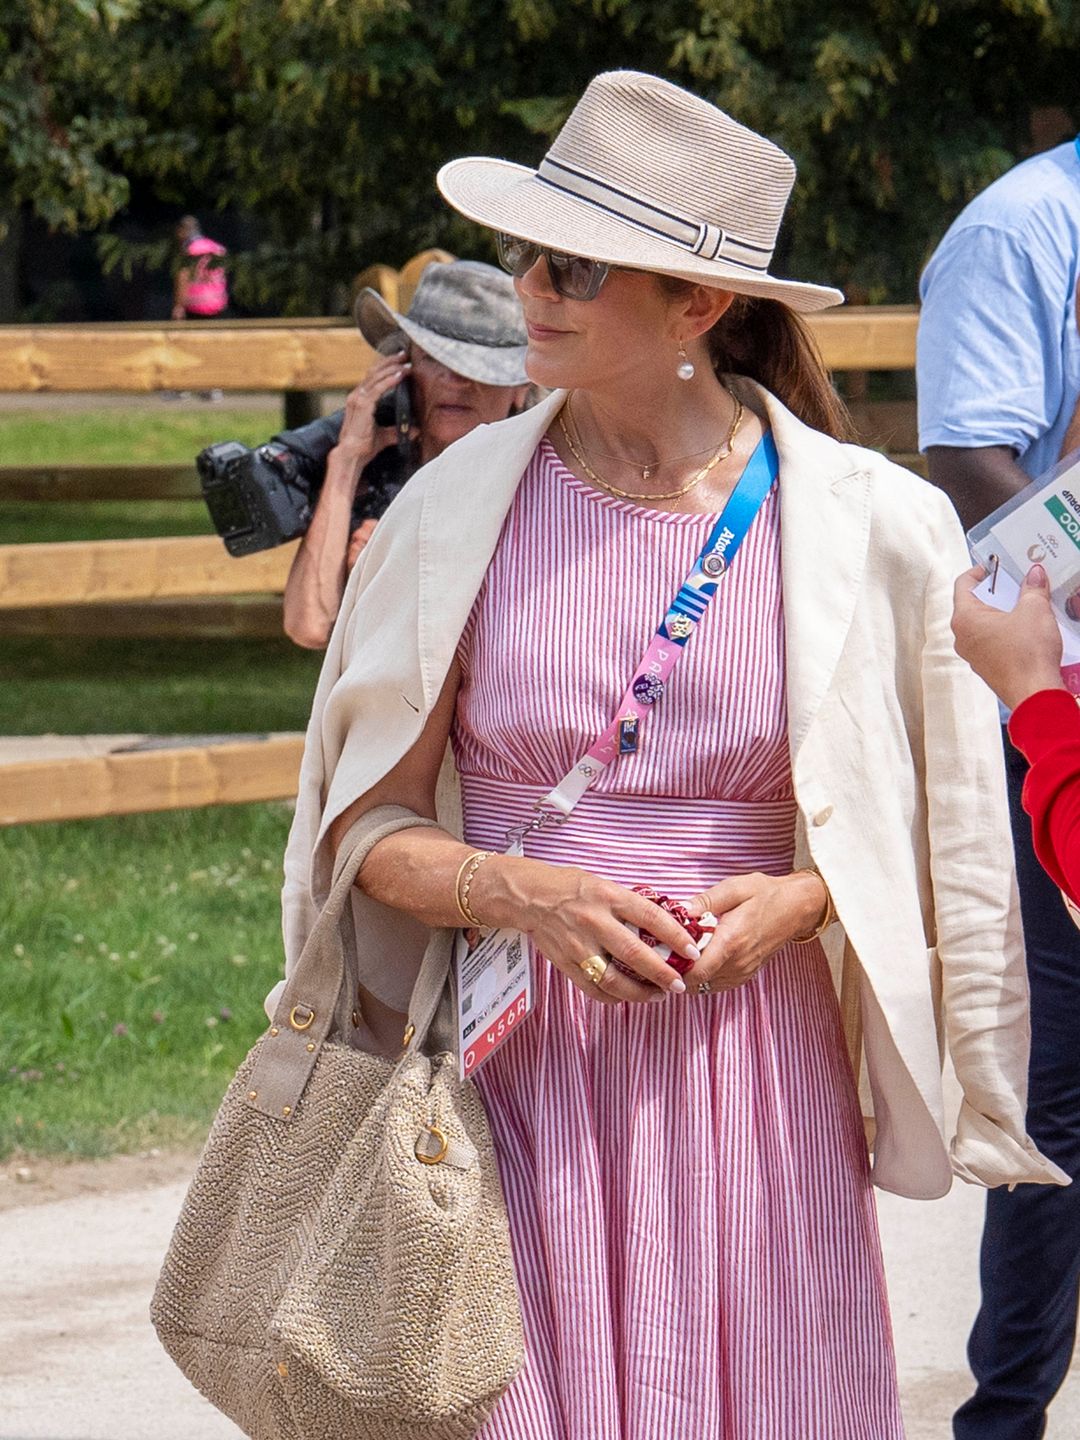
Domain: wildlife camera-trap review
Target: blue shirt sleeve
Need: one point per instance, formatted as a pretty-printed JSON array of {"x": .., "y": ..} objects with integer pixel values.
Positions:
[{"x": 989, "y": 361}]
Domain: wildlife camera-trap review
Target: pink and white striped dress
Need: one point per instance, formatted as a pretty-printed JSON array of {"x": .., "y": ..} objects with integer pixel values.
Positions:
[{"x": 693, "y": 1226}]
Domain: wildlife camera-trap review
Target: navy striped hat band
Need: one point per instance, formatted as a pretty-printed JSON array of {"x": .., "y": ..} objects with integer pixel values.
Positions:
[{"x": 699, "y": 237}]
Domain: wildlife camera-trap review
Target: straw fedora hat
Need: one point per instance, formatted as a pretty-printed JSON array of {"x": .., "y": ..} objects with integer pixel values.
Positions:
[
  {"x": 464, "y": 313},
  {"x": 647, "y": 176}
]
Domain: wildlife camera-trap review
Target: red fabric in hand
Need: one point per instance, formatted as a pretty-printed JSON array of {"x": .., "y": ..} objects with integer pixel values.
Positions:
[
  {"x": 1045, "y": 728},
  {"x": 679, "y": 912}
]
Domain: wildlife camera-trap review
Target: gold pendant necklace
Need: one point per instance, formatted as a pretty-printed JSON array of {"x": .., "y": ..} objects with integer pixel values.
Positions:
[
  {"x": 722, "y": 453},
  {"x": 647, "y": 471}
]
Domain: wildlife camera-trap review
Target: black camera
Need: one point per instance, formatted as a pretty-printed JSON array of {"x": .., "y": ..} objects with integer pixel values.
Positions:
[{"x": 264, "y": 497}]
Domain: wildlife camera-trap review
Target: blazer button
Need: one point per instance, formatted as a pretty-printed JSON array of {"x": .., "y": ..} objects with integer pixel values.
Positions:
[{"x": 823, "y": 816}]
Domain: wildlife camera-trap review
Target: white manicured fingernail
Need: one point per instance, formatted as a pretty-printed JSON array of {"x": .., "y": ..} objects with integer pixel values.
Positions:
[
  {"x": 677, "y": 986},
  {"x": 692, "y": 952}
]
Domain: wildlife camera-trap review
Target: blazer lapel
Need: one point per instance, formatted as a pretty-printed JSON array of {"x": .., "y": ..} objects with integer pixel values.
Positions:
[
  {"x": 460, "y": 524},
  {"x": 825, "y": 508}
]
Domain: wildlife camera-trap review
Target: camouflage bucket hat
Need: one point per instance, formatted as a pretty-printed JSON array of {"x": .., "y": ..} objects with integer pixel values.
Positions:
[{"x": 464, "y": 314}]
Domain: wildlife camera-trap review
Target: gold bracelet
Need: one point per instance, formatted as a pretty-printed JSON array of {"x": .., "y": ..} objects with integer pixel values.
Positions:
[
  {"x": 465, "y": 876},
  {"x": 828, "y": 915}
]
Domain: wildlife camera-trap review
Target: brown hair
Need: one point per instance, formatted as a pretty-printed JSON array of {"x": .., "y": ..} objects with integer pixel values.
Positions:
[{"x": 769, "y": 343}]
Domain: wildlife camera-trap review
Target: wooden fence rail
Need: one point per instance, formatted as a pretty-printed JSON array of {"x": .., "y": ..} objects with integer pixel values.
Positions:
[
  {"x": 234, "y": 772},
  {"x": 85, "y": 483},
  {"x": 213, "y": 354},
  {"x": 80, "y": 572},
  {"x": 213, "y": 617}
]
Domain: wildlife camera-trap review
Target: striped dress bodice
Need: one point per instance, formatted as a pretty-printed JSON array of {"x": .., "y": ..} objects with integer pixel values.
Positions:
[{"x": 553, "y": 639}]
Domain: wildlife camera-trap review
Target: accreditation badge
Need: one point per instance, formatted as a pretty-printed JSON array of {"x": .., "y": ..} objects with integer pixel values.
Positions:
[{"x": 494, "y": 992}]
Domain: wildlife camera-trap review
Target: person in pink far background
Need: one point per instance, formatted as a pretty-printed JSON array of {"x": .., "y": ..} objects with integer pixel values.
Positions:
[
  {"x": 1018, "y": 654},
  {"x": 201, "y": 290}
]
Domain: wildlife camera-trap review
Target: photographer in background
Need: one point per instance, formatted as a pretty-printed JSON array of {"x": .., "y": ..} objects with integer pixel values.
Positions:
[{"x": 460, "y": 354}]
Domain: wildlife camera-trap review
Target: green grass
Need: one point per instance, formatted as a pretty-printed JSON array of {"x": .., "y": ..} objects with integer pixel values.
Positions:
[
  {"x": 136, "y": 953},
  {"x": 25, "y": 524},
  {"x": 165, "y": 687},
  {"x": 107, "y": 437}
]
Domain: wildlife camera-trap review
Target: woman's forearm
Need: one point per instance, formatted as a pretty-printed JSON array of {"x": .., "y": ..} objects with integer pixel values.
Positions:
[
  {"x": 317, "y": 579},
  {"x": 416, "y": 871}
]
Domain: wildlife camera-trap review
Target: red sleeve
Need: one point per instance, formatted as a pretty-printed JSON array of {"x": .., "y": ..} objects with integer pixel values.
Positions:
[{"x": 1046, "y": 729}]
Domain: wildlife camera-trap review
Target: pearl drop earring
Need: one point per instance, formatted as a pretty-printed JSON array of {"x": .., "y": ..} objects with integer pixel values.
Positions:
[{"x": 685, "y": 370}]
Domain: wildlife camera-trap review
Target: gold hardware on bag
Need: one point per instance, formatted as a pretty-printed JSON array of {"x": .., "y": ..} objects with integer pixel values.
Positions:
[
  {"x": 444, "y": 1147},
  {"x": 274, "y": 1030},
  {"x": 310, "y": 1046},
  {"x": 283, "y": 1369},
  {"x": 410, "y": 1031},
  {"x": 286, "y": 1110},
  {"x": 300, "y": 1024},
  {"x": 253, "y": 1094},
  {"x": 356, "y": 1019}
]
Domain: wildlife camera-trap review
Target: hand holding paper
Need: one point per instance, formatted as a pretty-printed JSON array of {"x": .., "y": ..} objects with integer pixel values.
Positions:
[{"x": 1010, "y": 636}]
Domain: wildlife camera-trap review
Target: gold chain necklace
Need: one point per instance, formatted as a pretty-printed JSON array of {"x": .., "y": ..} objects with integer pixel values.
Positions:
[
  {"x": 647, "y": 471},
  {"x": 722, "y": 453}
]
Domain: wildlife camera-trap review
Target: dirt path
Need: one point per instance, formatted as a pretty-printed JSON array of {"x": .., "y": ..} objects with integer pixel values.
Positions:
[
  {"x": 78, "y": 1358},
  {"x": 82, "y": 1243},
  {"x": 26, "y": 1181}
]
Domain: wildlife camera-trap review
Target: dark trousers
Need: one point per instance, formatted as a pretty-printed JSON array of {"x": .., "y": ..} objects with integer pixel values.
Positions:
[{"x": 1022, "y": 1341}]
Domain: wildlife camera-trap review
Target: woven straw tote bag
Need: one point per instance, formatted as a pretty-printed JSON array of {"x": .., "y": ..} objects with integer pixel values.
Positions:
[{"x": 341, "y": 1267}]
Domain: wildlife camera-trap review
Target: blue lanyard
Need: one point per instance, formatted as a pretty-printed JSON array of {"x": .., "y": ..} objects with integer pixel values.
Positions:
[{"x": 726, "y": 536}]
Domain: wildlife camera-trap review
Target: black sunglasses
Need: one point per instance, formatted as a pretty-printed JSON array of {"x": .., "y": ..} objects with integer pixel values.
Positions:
[{"x": 572, "y": 276}]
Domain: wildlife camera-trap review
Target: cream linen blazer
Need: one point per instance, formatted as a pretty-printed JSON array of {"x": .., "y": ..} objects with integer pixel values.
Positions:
[{"x": 895, "y": 751}]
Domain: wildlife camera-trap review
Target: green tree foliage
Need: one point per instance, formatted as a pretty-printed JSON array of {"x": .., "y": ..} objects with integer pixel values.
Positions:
[
  {"x": 57, "y": 119},
  {"x": 897, "y": 112},
  {"x": 327, "y": 119}
]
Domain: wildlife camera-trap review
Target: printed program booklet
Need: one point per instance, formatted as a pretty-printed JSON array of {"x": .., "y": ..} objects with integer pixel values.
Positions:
[{"x": 1039, "y": 526}]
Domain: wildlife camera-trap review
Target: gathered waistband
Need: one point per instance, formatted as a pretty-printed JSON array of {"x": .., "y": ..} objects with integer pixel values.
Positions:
[{"x": 639, "y": 838}]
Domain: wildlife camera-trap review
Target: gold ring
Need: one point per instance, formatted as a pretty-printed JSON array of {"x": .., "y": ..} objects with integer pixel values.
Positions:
[{"x": 595, "y": 967}]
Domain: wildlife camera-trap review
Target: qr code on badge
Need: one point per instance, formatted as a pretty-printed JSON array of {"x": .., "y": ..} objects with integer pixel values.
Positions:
[{"x": 513, "y": 955}]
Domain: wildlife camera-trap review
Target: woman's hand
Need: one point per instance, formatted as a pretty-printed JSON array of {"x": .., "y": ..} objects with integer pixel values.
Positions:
[
  {"x": 361, "y": 439},
  {"x": 571, "y": 914},
  {"x": 1017, "y": 652},
  {"x": 357, "y": 540},
  {"x": 756, "y": 914}
]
